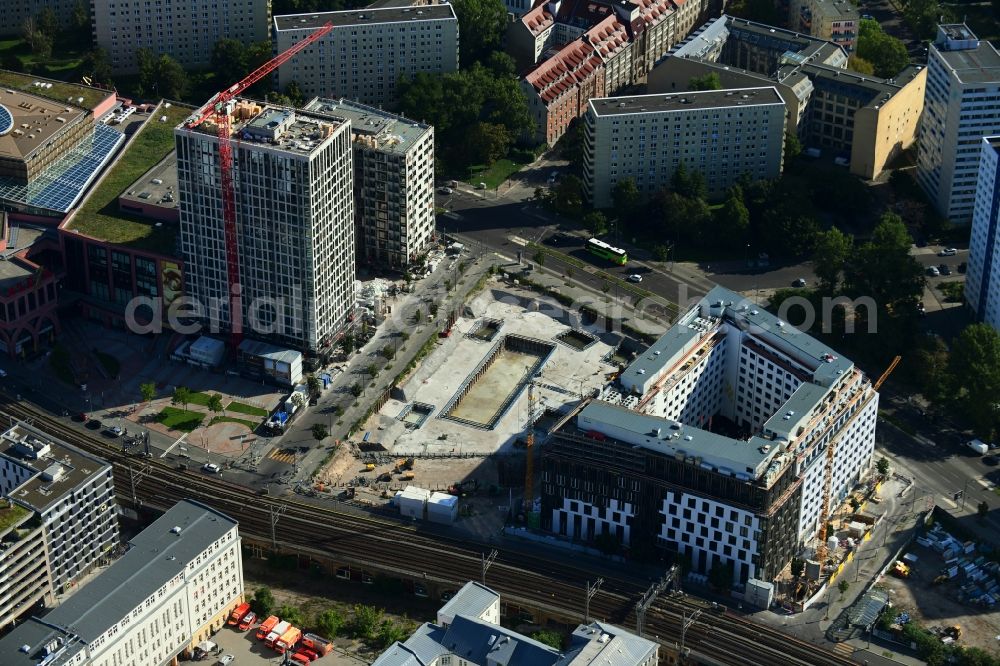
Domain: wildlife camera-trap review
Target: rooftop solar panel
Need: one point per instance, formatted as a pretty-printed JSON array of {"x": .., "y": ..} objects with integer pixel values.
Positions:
[{"x": 59, "y": 187}]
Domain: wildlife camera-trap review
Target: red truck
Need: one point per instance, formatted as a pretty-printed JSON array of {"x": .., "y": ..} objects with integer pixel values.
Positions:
[
  {"x": 266, "y": 626},
  {"x": 288, "y": 640},
  {"x": 317, "y": 644},
  {"x": 238, "y": 613}
]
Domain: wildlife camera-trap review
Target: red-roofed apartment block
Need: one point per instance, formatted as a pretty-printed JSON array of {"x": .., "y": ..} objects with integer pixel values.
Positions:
[{"x": 573, "y": 50}]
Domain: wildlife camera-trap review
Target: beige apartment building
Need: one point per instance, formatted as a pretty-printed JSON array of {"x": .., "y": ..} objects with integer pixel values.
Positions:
[
  {"x": 833, "y": 20},
  {"x": 367, "y": 51},
  {"x": 865, "y": 119},
  {"x": 720, "y": 133},
  {"x": 185, "y": 31}
]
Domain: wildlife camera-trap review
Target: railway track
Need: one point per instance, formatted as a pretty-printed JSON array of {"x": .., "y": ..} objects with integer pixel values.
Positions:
[{"x": 526, "y": 580}]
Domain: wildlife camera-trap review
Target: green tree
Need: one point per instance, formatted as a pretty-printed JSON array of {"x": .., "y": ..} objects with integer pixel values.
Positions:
[
  {"x": 710, "y": 81},
  {"x": 298, "y": 400},
  {"x": 97, "y": 66},
  {"x": 793, "y": 147},
  {"x": 482, "y": 24},
  {"x": 596, "y": 223},
  {"x": 502, "y": 65},
  {"x": 884, "y": 270},
  {"x": 48, "y": 22},
  {"x": 263, "y": 602},
  {"x": 732, "y": 220},
  {"x": 294, "y": 94},
  {"x": 626, "y": 196},
  {"x": 882, "y": 466},
  {"x": 173, "y": 80},
  {"x": 329, "y": 623},
  {"x": 886, "y": 53},
  {"x": 487, "y": 142},
  {"x": 843, "y": 586},
  {"x": 798, "y": 566},
  {"x": 933, "y": 375},
  {"x": 355, "y": 389},
  {"x": 684, "y": 218},
  {"x": 923, "y": 16},
  {"x": 548, "y": 637},
  {"x": 661, "y": 252},
  {"x": 313, "y": 385},
  {"x": 388, "y": 633},
  {"x": 388, "y": 352},
  {"x": 146, "y": 62},
  {"x": 539, "y": 258},
  {"x": 38, "y": 41},
  {"x": 148, "y": 391},
  {"x": 348, "y": 343},
  {"x": 319, "y": 432},
  {"x": 181, "y": 396},
  {"x": 366, "y": 621},
  {"x": 975, "y": 363},
  {"x": 833, "y": 247},
  {"x": 291, "y": 614},
  {"x": 568, "y": 195},
  {"x": 690, "y": 185},
  {"x": 858, "y": 64},
  {"x": 215, "y": 403},
  {"x": 229, "y": 60},
  {"x": 80, "y": 21}
]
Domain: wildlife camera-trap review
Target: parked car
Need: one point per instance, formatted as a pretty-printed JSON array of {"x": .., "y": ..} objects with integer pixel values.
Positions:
[
  {"x": 801, "y": 282},
  {"x": 445, "y": 190},
  {"x": 113, "y": 431},
  {"x": 226, "y": 660},
  {"x": 945, "y": 269},
  {"x": 948, "y": 252},
  {"x": 933, "y": 271},
  {"x": 634, "y": 277},
  {"x": 211, "y": 468},
  {"x": 3, "y": 373}
]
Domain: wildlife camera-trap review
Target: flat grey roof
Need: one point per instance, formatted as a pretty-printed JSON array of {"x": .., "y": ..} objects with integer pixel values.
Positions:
[
  {"x": 837, "y": 8},
  {"x": 269, "y": 351},
  {"x": 156, "y": 555},
  {"x": 978, "y": 65},
  {"x": 994, "y": 142},
  {"x": 669, "y": 437},
  {"x": 686, "y": 101},
  {"x": 74, "y": 466},
  {"x": 365, "y": 16},
  {"x": 623, "y": 648},
  {"x": 147, "y": 191},
  {"x": 392, "y": 133}
]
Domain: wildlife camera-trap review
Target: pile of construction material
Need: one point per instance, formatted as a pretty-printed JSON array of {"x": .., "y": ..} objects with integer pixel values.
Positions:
[{"x": 981, "y": 576}]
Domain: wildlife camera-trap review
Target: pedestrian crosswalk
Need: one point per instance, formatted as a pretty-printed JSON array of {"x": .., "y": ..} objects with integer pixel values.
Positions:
[
  {"x": 844, "y": 648},
  {"x": 286, "y": 456}
]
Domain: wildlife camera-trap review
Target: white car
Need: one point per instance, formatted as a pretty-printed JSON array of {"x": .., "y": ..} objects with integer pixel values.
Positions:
[
  {"x": 801, "y": 282},
  {"x": 635, "y": 277},
  {"x": 933, "y": 271},
  {"x": 445, "y": 190},
  {"x": 948, "y": 252},
  {"x": 211, "y": 468},
  {"x": 226, "y": 660}
]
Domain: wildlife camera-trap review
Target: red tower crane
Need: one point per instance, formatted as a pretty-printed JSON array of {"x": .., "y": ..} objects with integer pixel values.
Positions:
[{"x": 219, "y": 110}]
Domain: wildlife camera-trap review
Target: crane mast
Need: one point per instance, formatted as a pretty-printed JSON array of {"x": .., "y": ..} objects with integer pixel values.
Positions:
[{"x": 219, "y": 108}]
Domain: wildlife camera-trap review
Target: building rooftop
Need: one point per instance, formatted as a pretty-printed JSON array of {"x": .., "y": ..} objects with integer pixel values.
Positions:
[
  {"x": 56, "y": 467},
  {"x": 606, "y": 644},
  {"x": 747, "y": 459},
  {"x": 99, "y": 216},
  {"x": 472, "y": 600},
  {"x": 971, "y": 61},
  {"x": 383, "y": 130},
  {"x": 157, "y": 187},
  {"x": 269, "y": 351},
  {"x": 366, "y": 16},
  {"x": 277, "y": 128},
  {"x": 29, "y": 122},
  {"x": 155, "y": 556},
  {"x": 85, "y": 97},
  {"x": 687, "y": 101},
  {"x": 993, "y": 141},
  {"x": 835, "y": 9}
]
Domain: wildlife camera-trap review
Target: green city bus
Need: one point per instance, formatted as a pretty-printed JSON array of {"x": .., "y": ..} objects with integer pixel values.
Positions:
[{"x": 605, "y": 251}]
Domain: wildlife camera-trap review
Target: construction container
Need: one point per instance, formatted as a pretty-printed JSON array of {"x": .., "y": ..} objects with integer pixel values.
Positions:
[
  {"x": 442, "y": 508},
  {"x": 412, "y": 502},
  {"x": 832, "y": 543}
]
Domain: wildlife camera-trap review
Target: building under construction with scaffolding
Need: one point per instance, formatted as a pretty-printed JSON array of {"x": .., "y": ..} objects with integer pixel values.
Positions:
[{"x": 719, "y": 443}]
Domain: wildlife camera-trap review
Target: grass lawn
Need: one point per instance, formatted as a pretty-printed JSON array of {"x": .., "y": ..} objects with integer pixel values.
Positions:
[
  {"x": 180, "y": 419},
  {"x": 229, "y": 419},
  {"x": 249, "y": 410},
  {"x": 199, "y": 398},
  {"x": 110, "y": 363},
  {"x": 59, "y": 360},
  {"x": 495, "y": 174},
  {"x": 100, "y": 218}
]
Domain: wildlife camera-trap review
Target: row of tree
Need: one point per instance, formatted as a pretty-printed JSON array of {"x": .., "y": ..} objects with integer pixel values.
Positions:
[{"x": 366, "y": 623}]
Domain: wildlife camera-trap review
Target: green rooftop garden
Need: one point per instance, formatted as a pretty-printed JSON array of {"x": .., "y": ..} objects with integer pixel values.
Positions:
[
  {"x": 10, "y": 514},
  {"x": 99, "y": 216},
  {"x": 60, "y": 91}
]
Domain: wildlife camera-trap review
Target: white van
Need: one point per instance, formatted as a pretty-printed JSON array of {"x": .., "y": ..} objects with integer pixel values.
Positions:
[{"x": 978, "y": 446}]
